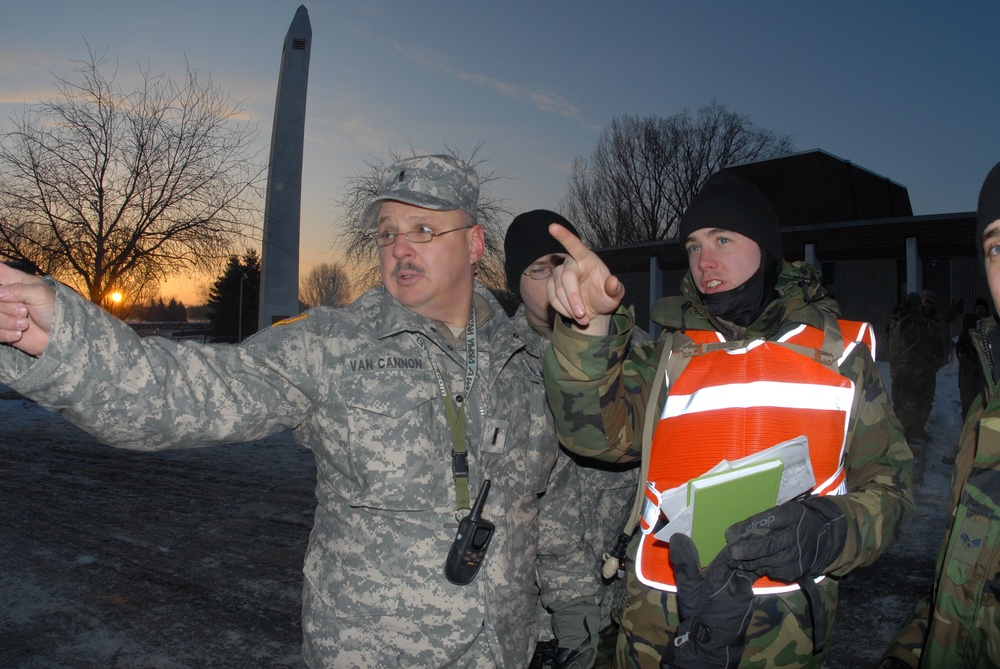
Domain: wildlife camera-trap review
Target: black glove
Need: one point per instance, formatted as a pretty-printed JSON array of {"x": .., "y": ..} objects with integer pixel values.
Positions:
[
  {"x": 793, "y": 542},
  {"x": 787, "y": 542},
  {"x": 545, "y": 654},
  {"x": 993, "y": 587},
  {"x": 893, "y": 663},
  {"x": 577, "y": 626},
  {"x": 715, "y": 607}
]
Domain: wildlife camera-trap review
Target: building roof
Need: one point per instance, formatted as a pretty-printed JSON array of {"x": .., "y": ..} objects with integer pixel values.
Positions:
[
  {"x": 845, "y": 211},
  {"x": 818, "y": 187}
]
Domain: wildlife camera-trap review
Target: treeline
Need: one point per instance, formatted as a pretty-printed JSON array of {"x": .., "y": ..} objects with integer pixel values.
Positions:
[{"x": 159, "y": 311}]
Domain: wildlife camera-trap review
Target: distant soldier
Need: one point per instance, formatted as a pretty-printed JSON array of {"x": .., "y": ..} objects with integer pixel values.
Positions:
[
  {"x": 916, "y": 353},
  {"x": 956, "y": 624},
  {"x": 970, "y": 369}
]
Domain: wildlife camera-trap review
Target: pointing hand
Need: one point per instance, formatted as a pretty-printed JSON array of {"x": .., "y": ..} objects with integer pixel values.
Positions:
[
  {"x": 26, "y": 308},
  {"x": 583, "y": 288}
]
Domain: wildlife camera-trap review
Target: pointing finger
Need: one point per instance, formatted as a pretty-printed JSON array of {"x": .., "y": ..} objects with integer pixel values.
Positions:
[{"x": 573, "y": 245}]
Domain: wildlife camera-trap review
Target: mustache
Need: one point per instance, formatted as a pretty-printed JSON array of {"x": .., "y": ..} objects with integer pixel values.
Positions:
[{"x": 406, "y": 266}]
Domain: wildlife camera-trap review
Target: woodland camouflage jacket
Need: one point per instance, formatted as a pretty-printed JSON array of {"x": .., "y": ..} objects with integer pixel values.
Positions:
[
  {"x": 600, "y": 391},
  {"x": 596, "y": 496},
  {"x": 915, "y": 337}
]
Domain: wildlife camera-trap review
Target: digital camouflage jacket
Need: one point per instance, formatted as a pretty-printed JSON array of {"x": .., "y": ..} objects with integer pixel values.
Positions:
[
  {"x": 354, "y": 387},
  {"x": 958, "y": 624},
  {"x": 600, "y": 391},
  {"x": 596, "y": 496}
]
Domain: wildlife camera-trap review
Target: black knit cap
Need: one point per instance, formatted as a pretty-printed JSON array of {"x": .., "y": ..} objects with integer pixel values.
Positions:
[
  {"x": 730, "y": 202},
  {"x": 989, "y": 207},
  {"x": 527, "y": 240}
]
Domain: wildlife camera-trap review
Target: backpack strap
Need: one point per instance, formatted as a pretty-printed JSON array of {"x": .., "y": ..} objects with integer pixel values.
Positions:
[
  {"x": 614, "y": 561},
  {"x": 830, "y": 351}
]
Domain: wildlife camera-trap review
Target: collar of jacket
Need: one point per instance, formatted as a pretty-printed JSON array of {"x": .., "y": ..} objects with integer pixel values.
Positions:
[
  {"x": 534, "y": 341},
  {"x": 394, "y": 318},
  {"x": 801, "y": 299},
  {"x": 499, "y": 336},
  {"x": 987, "y": 331}
]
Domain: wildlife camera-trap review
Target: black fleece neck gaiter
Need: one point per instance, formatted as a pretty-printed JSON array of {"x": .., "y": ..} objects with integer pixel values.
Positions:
[{"x": 745, "y": 303}]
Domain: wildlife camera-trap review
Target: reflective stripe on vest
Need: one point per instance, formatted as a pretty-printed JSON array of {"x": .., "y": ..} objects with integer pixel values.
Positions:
[{"x": 732, "y": 402}]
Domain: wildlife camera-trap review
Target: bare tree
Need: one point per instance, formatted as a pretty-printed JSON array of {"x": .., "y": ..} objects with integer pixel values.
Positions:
[
  {"x": 112, "y": 190},
  {"x": 326, "y": 285},
  {"x": 361, "y": 188},
  {"x": 644, "y": 172}
]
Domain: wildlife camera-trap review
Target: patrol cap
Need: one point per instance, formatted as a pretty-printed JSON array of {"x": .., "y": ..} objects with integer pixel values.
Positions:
[{"x": 441, "y": 183}]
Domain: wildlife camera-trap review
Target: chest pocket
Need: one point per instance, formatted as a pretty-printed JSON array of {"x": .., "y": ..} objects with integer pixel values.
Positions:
[
  {"x": 399, "y": 445},
  {"x": 519, "y": 442},
  {"x": 973, "y": 551}
]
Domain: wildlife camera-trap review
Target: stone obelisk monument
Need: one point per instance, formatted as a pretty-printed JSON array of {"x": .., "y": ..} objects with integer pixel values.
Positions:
[{"x": 279, "y": 276}]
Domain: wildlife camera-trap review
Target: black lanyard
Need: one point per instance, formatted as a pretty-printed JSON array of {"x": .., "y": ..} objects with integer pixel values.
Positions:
[{"x": 456, "y": 417}]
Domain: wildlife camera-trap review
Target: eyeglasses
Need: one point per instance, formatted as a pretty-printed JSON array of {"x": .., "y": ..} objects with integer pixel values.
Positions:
[
  {"x": 539, "y": 272},
  {"x": 421, "y": 235}
]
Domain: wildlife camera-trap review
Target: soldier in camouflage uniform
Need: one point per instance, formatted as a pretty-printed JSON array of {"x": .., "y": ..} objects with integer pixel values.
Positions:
[
  {"x": 970, "y": 370},
  {"x": 602, "y": 491},
  {"x": 358, "y": 386},
  {"x": 958, "y": 624},
  {"x": 606, "y": 404},
  {"x": 916, "y": 352}
]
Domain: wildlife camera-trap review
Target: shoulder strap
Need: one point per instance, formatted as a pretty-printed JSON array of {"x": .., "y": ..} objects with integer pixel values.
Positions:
[
  {"x": 830, "y": 351},
  {"x": 666, "y": 357},
  {"x": 612, "y": 561}
]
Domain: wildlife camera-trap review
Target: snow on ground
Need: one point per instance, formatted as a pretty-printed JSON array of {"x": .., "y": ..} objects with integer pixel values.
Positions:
[
  {"x": 193, "y": 559},
  {"x": 876, "y": 600},
  {"x": 174, "y": 560}
]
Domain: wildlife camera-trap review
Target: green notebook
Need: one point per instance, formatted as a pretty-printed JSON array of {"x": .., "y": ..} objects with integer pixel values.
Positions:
[{"x": 724, "y": 498}]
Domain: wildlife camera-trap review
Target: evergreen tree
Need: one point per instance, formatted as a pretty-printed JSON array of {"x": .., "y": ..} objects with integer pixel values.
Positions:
[
  {"x": 157, "y": 311},
  {"x": 240, "y": 279},
  {"x": 175, "y": 311}
]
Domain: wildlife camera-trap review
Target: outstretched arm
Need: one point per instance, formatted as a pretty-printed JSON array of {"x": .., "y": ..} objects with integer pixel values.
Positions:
[
  {"x": 583, "y": 288},
  {"x": 26, "y": 308}
]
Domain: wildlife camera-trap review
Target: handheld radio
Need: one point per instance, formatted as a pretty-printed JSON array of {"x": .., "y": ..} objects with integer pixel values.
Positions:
[{"x": 469, "y": 548}]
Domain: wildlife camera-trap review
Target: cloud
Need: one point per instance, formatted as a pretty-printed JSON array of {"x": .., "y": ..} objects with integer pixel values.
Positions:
[
  {"x": 544, "y": 99},
  {"x": 345, "y": 123},
  {"x": 24, "y": 96},
  {"x": 26, "y": 76}
]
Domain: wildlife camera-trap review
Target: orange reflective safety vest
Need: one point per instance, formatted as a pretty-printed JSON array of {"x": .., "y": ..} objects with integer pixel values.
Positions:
[{"x": 732, "y": 399}]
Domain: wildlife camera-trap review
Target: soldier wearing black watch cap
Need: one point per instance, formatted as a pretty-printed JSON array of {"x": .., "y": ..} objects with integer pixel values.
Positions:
[{"x": 754, "y": 353}]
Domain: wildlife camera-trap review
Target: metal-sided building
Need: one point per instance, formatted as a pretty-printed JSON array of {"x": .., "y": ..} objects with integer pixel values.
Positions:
[{"x": 855, "y": 226}]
